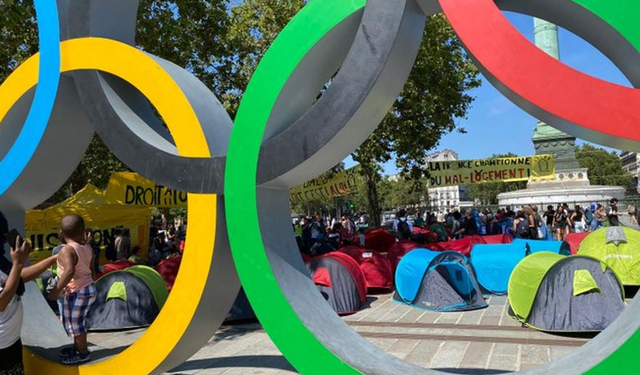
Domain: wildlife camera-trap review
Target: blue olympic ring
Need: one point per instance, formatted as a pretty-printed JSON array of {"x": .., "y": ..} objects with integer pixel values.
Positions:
[{"x": 23, "y": 149}]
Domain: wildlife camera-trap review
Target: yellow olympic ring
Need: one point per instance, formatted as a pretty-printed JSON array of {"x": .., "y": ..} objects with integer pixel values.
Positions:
[{"x": 140, "y": 70}]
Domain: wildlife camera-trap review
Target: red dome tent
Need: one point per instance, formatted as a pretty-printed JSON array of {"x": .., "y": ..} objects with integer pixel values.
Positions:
[
  {"x": 340, "y": 280},
  {"x": 379, "y": 240},
  {"x": 462, "y": 246},
  {"x": 398, "y": 250},
  {"x": 376, "y": 268},
  {"x": 574, "y": 240},
  {"x": 497, "y": 239},
  {"x": 118, "y": 265},
  {"x": 168, "y": 269}
]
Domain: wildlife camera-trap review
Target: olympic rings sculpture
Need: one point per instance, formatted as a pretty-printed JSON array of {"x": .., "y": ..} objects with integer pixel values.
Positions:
[{"x": 88, "y": 77}]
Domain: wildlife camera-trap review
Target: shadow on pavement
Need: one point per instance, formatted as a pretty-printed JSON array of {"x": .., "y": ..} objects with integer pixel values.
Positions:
[
  {"x": 246, "y": 361},
  {"x": 470, "y": 371},
  {"x": 97, "y": 354}
]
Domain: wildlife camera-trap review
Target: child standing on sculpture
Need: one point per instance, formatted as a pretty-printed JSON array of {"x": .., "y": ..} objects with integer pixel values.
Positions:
[{"x": 76, "y": 285}]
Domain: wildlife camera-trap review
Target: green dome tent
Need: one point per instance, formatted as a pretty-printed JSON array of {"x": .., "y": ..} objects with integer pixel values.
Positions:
[
  {"x": 619, "y": 247},
  {"x": 551, "y": 292},
  {"x": 126, "y": 299}
]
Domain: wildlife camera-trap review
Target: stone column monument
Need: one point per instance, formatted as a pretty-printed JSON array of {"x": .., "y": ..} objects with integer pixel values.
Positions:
[
  {"x": 571, "y": 183},
  {"x": 548, "y": 140}
]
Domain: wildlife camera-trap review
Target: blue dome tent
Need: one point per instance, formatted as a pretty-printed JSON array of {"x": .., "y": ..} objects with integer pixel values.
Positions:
[
  {"x": 493, "y": 265},
  {"x": 437, "y": 281}
]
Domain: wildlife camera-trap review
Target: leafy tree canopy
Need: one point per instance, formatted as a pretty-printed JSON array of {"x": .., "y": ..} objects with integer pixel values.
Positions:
[
  {"x": 605, "y": 168},
  {"x": 222, "y": 41}
]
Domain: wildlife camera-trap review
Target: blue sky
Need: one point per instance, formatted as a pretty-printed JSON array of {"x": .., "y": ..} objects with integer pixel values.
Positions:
[{"x": 495, "y": 125}]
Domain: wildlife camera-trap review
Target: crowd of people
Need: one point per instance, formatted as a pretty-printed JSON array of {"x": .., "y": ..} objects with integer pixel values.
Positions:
[
  {"x": 318, "y": 235},
  {"x": 166, "y": 241},
  {"x": 527, "y": 222}
]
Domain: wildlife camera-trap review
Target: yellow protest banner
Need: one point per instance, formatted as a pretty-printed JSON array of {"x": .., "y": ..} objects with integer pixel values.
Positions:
[
  {"x": 131, "y": 189},
  {"x": 343, "y": 183},
  {"x": 511, "y": 169},
  {"x": 42, "y": 226}
]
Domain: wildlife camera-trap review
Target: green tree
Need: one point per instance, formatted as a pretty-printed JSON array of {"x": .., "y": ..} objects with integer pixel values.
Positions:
[
  {"x": 322, "y": 205},
  {"x": 433, "y": 100},
  {"x": 19, "y": 34},
  {"x": 605, "y": 168},
  {"x": 487, "y": 193},
  {"x": 190, "y": 33},
  {"x": 221, "y": 42},
  {"x": 254, "y": 25},
  {"x": 403, "y": 192}
]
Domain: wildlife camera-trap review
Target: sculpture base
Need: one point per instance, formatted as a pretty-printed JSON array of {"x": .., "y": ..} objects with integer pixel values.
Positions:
[
  {"x": 565, "y": 179},
  {"x": 552, "y": 196}
]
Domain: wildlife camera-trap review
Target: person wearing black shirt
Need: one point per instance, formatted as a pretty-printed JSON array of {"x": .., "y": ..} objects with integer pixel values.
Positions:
[
  {"x": 612, "y": 213},
  {"x": 560, "y": 222},
  {"x": 469, "y": 227},
  {"x": 549, "y": 215}
]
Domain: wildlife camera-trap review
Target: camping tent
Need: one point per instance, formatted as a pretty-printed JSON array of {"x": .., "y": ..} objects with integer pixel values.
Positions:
[
  {"x": 118, "y": 265},
  {"x": 493, "y": 264},
  {"x": 340, "y": 280},
  {"x": 126, "y": 299},
  {"x": 498, "y": 239},
  {"x": 42, "y": 226},
  {"x": 376, "y": 268},
  {"x": 439, "y": 281},
  {"x": 624, "y": 258},
  {"x": 168, "y": 269},
  {"x": 241, "y": 309},
  {"x": 536, "y": 246},
  {"x": 462, "y": 246},
  {"x": 575, "y": 240},
  {"x": 398, "y": 250},
  {"x": 551, "y": 292},
  {"x": 379, "y": 240}
]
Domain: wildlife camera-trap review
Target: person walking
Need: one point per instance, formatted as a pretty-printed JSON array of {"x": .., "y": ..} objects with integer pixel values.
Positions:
[
  {"x": 560, "y": 222},
  {"x": 578, "y": 220},
  {"x": 75, "y": 268},
  {"x": 599, "y": 217},
  {"x": 633, "y": 211},
  {"x": 613, "y": 214}
]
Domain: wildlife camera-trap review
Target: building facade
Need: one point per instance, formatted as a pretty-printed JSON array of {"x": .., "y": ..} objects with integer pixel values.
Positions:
[
  {"x": 631, "y": 164},
  {"x": 447, "y": 197}
]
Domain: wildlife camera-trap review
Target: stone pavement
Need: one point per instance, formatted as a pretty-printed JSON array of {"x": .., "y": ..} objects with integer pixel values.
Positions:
[
  {"x": 486, "y": 341},
  {"x": 479, "y": 342}
]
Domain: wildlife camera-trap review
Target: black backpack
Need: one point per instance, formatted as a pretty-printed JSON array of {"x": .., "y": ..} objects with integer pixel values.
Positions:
[
  {"x": 403, "y": 229},
  {"x": 522, "y": 230}
]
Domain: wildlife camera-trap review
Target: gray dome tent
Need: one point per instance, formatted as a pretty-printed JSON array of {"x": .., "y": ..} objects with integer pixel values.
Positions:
[
  {"x": 550, "y": 292},
  {"x": 340, "y": 281},
  {"x": 130, "y": 298}
]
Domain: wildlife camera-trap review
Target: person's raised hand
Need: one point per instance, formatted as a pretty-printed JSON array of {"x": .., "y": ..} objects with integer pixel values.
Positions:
[{"x": 20, "y": 251}]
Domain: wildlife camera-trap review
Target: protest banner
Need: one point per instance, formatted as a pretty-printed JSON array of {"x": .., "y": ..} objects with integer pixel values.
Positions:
[
  {"x": 131, "y": 189},
  {"x": 42, "y": 226},
  {"x": 510, "y": 169},
  {"x": 343, "y": 183}
]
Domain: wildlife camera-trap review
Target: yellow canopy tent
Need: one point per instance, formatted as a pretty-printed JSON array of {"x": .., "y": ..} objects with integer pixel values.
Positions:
[{"x": 42, "y": 226}]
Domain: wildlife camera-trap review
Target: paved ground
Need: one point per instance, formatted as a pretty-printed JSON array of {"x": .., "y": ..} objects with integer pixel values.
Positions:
[
  {"x": 471, "y": 342},
  {"x": 479, "y": 342}
]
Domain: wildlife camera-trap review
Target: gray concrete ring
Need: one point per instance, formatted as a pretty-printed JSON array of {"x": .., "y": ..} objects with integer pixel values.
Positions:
[{"x": 282, "y": 251}]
